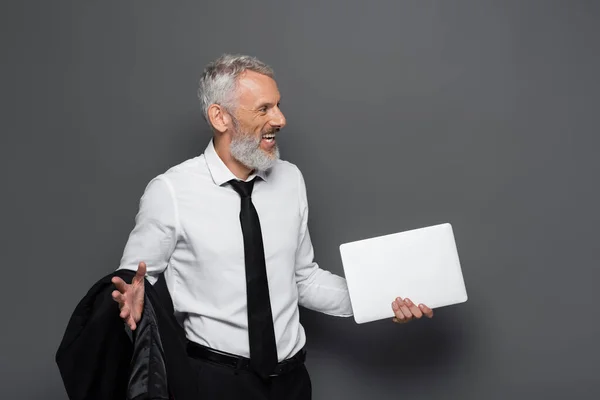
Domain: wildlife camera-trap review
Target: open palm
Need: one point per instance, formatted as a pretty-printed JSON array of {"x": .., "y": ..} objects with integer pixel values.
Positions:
[{"x": 130, "y": 297}]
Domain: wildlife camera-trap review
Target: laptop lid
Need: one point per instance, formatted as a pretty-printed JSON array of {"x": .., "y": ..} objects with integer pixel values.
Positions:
[{"x": 421, "y": 264}]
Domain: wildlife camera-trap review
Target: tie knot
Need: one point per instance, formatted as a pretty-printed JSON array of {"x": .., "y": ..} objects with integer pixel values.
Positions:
[{"x": 244, "y": 189}]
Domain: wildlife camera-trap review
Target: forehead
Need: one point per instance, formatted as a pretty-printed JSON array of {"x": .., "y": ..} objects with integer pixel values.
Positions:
[{"x": 256, "y": 88}]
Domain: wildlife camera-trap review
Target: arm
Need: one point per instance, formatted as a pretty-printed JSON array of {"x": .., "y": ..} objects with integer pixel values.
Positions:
[
  {"x": 318, "y": 289},
  {"x": 323, "y": 291},
  {"x": 148, "y": 249},
  {"x": 154, "y": 235}
]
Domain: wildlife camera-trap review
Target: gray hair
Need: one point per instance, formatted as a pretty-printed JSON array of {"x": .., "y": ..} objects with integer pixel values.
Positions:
[{"x": 219, "y": 80}]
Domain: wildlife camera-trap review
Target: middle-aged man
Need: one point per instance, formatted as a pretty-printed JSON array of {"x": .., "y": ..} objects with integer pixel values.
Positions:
[{"x": 229, "y": 230}]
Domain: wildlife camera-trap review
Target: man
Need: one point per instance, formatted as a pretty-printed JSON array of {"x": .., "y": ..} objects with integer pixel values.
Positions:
[{"x": 229, "y": 230}]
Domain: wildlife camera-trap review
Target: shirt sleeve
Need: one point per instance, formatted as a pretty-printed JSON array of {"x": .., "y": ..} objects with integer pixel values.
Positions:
[
  {"x": 154, "y": 235},
  {"x": 318, "y": 289}
]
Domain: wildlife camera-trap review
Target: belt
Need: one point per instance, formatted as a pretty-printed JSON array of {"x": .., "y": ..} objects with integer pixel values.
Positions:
[{"x": 196, "y": 350}]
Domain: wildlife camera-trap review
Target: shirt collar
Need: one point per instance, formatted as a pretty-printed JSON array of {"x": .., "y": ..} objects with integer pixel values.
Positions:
[{"x": 219, "y": 171}]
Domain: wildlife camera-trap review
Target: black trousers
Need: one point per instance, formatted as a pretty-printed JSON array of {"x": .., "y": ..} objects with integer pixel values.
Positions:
[{"x": 217, "y": 382}]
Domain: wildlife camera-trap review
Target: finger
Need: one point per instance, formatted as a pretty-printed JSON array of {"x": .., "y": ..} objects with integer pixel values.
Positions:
[
  {"x": 119, "y": 284},
  {"x": 399, "y": 321},
  {"x": 397, "y": 312},
  {"x": 402, "y": 305},
  {"x": 131, "y": 324},
  {"x": 428, "y": 312},
  {"x": 118, "y": 297},
  {"x": 141, "y": 272},
  {"x": 125, "y": 314},
  {"x": 413, "y": 308}
]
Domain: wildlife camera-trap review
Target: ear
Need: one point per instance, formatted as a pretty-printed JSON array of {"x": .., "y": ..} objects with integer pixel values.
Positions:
[{"x": 218, "y": 117}]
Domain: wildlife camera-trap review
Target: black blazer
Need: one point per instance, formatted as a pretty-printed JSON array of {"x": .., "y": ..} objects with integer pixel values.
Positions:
[{"x": 98, "y": 360}]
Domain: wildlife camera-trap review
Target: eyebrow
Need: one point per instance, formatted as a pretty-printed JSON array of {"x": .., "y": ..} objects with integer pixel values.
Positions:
[{"x": 267, "y": 104}]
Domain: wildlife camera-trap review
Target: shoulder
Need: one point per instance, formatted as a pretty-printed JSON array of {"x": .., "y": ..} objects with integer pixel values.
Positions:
[
  {"x": 287, "y": 170},
  {"x": 186, "y": 169},
  {"x": 288, "y": 176},
  {"x": 179, "y": 176}
]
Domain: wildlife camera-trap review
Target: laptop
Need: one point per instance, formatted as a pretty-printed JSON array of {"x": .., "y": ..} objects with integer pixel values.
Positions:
[{"x": 421, "y": 264}]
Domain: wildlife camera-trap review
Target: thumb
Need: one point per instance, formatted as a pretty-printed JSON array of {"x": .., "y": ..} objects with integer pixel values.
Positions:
[{"x": 141, "y": 272}]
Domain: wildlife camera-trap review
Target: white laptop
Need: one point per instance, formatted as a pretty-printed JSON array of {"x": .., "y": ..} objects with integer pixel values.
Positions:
[{"x": 421, "y": 264}]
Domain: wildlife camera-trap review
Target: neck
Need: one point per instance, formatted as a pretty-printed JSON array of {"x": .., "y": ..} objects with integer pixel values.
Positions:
[{"x": 222, "y": 143}]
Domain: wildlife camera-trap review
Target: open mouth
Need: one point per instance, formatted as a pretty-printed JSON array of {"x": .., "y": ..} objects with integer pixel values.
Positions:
[{"x": 269, "y": 137}]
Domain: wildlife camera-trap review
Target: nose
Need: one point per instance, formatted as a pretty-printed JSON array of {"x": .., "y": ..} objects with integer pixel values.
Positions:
[{"x": 277, "y": 119}]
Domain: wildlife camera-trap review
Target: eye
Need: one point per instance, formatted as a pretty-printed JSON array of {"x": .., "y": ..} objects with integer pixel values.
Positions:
[{"x": 263, "y": 109}]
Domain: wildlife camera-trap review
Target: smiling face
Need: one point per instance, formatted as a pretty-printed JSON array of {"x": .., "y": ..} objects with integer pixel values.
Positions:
[{"x": 256, "y": 121}]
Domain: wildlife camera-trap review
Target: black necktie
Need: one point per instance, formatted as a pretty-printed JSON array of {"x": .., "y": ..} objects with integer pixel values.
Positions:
[{"x": 263, "y": 350}]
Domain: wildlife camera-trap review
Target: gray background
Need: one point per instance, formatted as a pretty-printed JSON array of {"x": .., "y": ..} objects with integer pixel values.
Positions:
[{"x": 401, "y": 114}]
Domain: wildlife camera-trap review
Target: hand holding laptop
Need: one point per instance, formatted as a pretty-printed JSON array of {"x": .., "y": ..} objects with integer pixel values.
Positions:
[{"x": 405, "y": 310}]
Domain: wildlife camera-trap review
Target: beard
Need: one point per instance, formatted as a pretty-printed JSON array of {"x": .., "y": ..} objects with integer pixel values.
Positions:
[{"x": 245, "y": 148}]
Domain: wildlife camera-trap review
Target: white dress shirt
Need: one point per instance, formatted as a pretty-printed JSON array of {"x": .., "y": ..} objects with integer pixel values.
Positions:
[{"x": 188, "y": 226}]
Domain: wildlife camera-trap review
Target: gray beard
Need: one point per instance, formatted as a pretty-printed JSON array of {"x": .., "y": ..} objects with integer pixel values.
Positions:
[{"x": 246, "y": 149}]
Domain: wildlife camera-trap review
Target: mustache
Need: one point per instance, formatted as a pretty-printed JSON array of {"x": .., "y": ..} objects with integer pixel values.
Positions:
[{"x": 271, "y": 131}]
